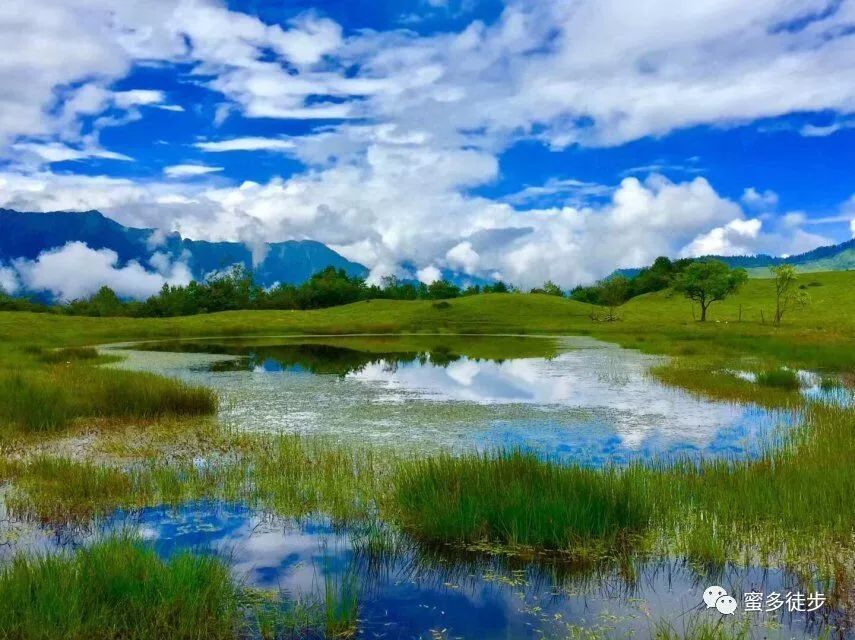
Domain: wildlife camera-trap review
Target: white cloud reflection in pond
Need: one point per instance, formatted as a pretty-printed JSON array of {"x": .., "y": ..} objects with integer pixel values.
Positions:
[
  {"x": 411, "y": 592},
  {"x": 593, "y": 402}
]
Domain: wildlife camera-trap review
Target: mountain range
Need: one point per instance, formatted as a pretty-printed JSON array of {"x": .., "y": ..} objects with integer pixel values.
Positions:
[
  {"x": 27, "y": 235},
  {"x": 835, "y": 257}
]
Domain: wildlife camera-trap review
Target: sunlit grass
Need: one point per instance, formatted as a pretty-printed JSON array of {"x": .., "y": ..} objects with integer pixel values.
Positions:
[
  {"x": 118, "y": 589},
  {"x": 44, "y": 400},
  {"x": 780, "y": 378},
  {"x": 517, "y": 499}
]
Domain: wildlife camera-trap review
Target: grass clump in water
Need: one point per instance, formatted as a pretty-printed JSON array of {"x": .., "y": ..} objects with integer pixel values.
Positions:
[
  {"x": 118, "y": 589},
  {"x": 780, "y": 379},
  {"x": 33, "y": 403},
  {"x": 515, "y": 498},
  {"x": 69, "y": 354},
  {"x": 48, "y": 399}
]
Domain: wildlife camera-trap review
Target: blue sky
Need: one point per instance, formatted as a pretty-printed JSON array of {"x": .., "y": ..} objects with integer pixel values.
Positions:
[{"x": 524, "y": 140}]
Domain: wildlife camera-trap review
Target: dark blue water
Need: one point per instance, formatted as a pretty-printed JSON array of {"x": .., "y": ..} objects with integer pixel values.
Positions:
[{"x": 417, "y": 593}]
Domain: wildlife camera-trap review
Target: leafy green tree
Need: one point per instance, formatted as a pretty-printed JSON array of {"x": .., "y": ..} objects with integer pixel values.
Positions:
[
  {"x": 496, "y": 287},
  {"x": 709, "y": 281},
  {"x": 613, "y": 293},
  {"x": 442, "y": 289},
  {"x": 786, "y": 293},
  {"x": 552, "y": 289}
]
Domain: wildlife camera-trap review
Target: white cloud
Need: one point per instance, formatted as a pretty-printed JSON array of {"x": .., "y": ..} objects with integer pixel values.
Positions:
[
  {"x": 369, "y": 214},
  {"x": 568, "y": 189},
  {"x": 8, "y": 280},
  {"x": 735, "y": 238},
  {"x": 463, "y": 256},
  {"x": 755, "y": 199},
  {"x": 186, "y": 170},
  {"x": 814, "y": 131},
  {"x": 429, "y": 117},
  {"x": 49, "y": 152},
  {"x": 77, "y": 271},
  {"x": 429, "y": 274},
  {"x": 246, "y": 144},
  {"x": 138, "y": 97},
  {"x": 569, "y": 71}
]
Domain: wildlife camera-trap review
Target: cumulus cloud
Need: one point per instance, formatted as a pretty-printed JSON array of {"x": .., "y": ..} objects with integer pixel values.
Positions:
[
  {"x": 427, "y": 117},
  {"x": 77, "y": 271},
  {"x": 429, "y": 274},
  {"x": 755, "y": 199},
  {"x": 734, "y": 238},
  {"x": 571, "y": 71}
]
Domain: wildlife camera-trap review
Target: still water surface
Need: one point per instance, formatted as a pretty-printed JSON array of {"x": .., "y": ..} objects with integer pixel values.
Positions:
[
  {"x": 564, "y": 398},
  {"x": 418, "y": 593}
]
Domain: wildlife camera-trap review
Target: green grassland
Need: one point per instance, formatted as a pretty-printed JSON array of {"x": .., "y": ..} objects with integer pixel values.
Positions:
[
  {"x": 660, "y": 322},
  {"x": 792, "y": 506}
]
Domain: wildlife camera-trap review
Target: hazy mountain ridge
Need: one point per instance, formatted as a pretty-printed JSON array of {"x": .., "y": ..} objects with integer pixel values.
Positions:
[
  {"x": 835, "y": 257},
  {"x": 27, "y": 235}
]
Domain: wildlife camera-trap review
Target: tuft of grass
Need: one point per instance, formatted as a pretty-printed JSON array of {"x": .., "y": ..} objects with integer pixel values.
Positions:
[
  {"x": 779, "y": 378},
  {"x": 118, "y": 589},
  {"x": 46, "y": 400},
  {"x": 696, "y": 629},
  {"x": 69, "y": 354},
  {"x": 515, "y": 498},
  {"x": 341, "y": 604},
  {"x": 828, "y": 383},
  {"x": 33, "y": 403}
]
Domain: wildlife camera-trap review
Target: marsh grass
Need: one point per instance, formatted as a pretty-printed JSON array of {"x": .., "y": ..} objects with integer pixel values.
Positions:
[
  {"x": 33, "y": 403},
  {"x": 286, "y": 475},
  {"x": 694, "y": 629},
  {"x": 68, "y": 354},
  {"x": 518, "y": 499},
  {"x": 118, "y": 589},
  {"x": 46, "y": 400},
  {"x": 341, "y": 603},
  {"x": 779, "y": 378}
]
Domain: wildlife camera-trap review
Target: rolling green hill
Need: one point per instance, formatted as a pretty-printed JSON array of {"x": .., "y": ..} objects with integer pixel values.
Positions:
[{"x": 660, "y": 321}]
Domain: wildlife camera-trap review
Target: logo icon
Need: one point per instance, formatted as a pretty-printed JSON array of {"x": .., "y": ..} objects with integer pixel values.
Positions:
[{"x": 716, "y": 597}]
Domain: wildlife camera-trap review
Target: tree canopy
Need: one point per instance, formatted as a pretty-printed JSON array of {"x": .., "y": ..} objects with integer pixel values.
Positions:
[{"x": 709, "y": 281}]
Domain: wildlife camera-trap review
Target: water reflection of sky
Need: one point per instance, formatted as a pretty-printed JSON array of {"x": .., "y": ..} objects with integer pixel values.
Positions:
[
  {"x": 593, "y": 402},
  {"x": 410, "y": 595}
]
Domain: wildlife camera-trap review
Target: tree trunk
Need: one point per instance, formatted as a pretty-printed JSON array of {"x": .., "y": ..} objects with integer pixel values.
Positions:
[{"x": 703, "y": 312}]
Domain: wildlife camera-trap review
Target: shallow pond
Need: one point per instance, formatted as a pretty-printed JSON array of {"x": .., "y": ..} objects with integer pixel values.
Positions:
[
  {"x": 413, "y": 593},
  {"x": 564, "y": 398}
]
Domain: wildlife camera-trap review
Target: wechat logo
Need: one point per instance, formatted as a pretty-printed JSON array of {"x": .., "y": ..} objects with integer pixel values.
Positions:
[{"x": 717, "y": 597}]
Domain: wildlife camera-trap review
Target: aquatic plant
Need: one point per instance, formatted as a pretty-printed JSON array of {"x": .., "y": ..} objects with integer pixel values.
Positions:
[
  {"x": 46, "y": 400},
  {"x": 517, "y": 498},
  {"x": 781, "y": 378},
  {"x": 118, "y": 589}
]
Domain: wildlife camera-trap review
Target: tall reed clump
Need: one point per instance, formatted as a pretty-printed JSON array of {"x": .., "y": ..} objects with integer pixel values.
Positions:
[
  {"x": 118, "y": 589},
  {"x": 518, "y": 499},
  {"x": 47, "y": 399},
  {"x": 112, "y": 393},
  {"x": 33, "y": 403}
]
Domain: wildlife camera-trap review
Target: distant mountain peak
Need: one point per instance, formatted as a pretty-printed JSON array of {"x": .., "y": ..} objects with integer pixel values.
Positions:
[{"x": 27, "y": 235}]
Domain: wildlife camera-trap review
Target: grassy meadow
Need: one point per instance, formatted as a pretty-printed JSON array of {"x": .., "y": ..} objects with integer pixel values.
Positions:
[{"x": 791, "y": 507}]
